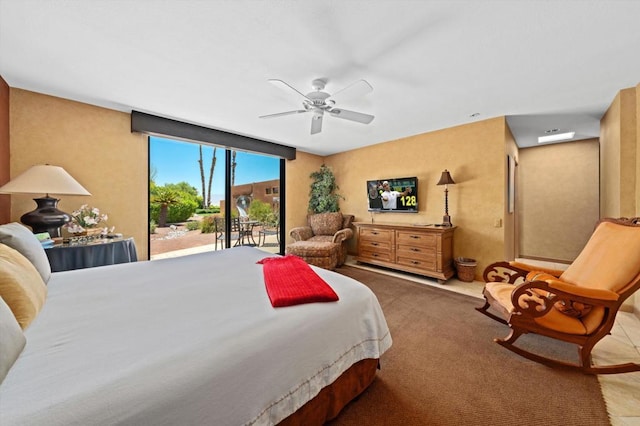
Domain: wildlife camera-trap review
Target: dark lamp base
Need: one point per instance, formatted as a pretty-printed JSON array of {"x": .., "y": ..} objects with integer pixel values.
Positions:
[
  {"x": 46, "y": 217},
  {"x": 446, "y": 220}
]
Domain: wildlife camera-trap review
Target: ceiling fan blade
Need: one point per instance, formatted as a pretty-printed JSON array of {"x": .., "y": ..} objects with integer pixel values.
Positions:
[
  {"x": 352, "y": 115},
  {"x": 280, "y": 114},
  {"x": 286, "y": 86},
  {"x": 316, "y": 123},
  {"x": 354, "y": 90}
]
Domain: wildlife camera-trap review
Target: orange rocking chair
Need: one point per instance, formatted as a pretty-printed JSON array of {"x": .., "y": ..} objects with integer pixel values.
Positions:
[{"x": 578, "y": 305}]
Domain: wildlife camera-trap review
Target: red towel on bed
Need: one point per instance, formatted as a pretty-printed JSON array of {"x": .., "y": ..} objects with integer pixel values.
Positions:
[{"x": 290, "y": 281}]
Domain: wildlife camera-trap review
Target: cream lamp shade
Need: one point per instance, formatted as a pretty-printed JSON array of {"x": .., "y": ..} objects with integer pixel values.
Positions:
[
  {"x": 47, "y": 179},
  {"x": 44, "y": 179}
]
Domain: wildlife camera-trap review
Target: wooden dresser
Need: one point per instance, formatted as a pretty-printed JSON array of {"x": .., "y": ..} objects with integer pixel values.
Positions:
[{"x": 424, "y": 250}]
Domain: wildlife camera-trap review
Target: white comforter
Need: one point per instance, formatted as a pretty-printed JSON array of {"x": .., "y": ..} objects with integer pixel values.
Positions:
[{"x": 184, "y": 341}]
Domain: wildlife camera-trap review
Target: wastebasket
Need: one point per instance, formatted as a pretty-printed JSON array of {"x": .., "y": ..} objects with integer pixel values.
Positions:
[{"x": 466, "y": 268}]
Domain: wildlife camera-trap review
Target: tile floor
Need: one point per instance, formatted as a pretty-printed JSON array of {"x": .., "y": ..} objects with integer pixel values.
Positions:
[{"x": 621, "y": 392}]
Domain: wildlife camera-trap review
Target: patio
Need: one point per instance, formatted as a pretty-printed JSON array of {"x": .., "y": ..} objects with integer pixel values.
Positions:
[{"x": 176, "y": 240}]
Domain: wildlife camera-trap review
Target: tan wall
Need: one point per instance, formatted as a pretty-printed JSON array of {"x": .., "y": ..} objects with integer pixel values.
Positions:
[
  {"x": 628, "y": 153},
  {"x": 560, "y": 183},
  {"x": 637, "y": 213},
  {"x": 5, "y": 169},
  {"x": 619, "y": 168},
  {"x": 474, "y": 154},
  {"x": 95, "y": 145},
  {"x": 511, "y": 234},
  {"x": 298, "y": 184},
  {"x": 618, "y": 156},
  {"x": 636, "y": 297}
]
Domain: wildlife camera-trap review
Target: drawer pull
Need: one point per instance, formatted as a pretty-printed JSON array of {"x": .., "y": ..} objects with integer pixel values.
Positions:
[
  {"x": 375, "y": 254},
  {"x": 374, "y": 233},
  {"x": 414, "y": 249},
  {"x": 415, "y": 262},
  {"x": 374, "y": 244},
  {"x": 417, "y": 237}
]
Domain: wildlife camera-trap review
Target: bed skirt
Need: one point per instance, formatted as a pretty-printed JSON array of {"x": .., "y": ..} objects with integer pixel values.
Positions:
[{"x": 334, "y": 397}]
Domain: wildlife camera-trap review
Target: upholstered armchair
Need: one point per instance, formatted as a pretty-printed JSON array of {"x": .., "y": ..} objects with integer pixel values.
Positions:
[
  {"x": 578, "y": 305},
  {"x": 327, "y": 228}
]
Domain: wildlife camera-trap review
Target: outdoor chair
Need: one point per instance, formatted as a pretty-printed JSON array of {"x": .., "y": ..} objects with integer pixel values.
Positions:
[
  {"x": 268, "y": 229},
  {"x": 219, "y": 231},
  {"x": 578, "y": 305},
  {"x": 243, "y": 227}
]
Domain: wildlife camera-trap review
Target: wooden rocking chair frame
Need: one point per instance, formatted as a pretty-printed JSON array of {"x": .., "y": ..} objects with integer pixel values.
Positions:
[{"x": 533, "y": 299}]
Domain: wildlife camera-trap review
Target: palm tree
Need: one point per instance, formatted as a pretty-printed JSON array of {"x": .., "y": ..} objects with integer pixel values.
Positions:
[
  {"x": 206, "y": 197},
  {"x": 165, "y": 197},
  {"x": 213, "y": 166}
]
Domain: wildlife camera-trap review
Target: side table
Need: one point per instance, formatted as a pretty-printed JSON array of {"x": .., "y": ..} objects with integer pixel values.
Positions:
[{"x": 98, "y": 252}]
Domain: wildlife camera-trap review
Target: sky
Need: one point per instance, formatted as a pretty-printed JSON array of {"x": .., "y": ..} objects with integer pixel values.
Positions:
[{"x": 177, "y": 161}]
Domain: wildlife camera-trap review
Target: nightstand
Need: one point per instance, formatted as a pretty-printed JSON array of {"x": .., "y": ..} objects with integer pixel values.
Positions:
[{"x": 98, "y": 252}]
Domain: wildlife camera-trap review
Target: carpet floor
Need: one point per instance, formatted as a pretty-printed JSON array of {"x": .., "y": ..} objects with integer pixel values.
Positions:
[{"x": 445, "y": 369}]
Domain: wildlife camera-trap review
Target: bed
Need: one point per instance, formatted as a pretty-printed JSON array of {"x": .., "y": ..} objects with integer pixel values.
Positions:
[{"x": 191, "y": 341}]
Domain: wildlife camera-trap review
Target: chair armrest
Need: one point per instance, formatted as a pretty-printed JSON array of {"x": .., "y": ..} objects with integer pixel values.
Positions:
[
  {"x": 536, "y": 298},
  {"x": 342, "y": 235},
  {"x": 301, "y": 233},
  {"x": 529, "y": 268},
  {"x": 574, "y": 290},
  {"x": 501, "y": 272}
]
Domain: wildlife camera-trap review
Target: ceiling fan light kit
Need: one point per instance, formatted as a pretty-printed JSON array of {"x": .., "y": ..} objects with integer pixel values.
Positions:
[{"x": 320, "y": 102}]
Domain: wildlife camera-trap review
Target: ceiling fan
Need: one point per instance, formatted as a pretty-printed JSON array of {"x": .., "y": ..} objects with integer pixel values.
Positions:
[{"x": 319, "y": 102}]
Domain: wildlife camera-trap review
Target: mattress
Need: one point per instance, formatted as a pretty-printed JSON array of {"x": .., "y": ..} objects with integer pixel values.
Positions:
[{"x": 189, "y": 341}]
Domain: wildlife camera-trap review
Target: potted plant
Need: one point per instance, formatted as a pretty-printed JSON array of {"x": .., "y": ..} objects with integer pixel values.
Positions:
[{"x": 322, "y": 196}]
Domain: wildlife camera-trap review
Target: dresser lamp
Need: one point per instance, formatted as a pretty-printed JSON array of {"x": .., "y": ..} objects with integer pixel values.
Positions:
[
  {"x": 47, "y": 179},
  {"x": 446, "y": 180}
]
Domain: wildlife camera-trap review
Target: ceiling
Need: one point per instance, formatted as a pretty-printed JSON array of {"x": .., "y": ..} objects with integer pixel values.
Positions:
[{"x": 432, "y": 64}]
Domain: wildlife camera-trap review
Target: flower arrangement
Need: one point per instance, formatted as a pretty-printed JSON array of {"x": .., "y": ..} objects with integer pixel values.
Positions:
[{"x": 84, "y": 218}]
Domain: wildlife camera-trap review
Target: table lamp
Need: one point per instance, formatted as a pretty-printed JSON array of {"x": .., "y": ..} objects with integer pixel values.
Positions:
[
  {"x": 45, "y": 178},
  {"x": 446, "y": 180}
]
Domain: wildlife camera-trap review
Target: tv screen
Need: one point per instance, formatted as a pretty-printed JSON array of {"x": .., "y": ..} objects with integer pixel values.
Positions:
[{"x": 398, "y": 195}]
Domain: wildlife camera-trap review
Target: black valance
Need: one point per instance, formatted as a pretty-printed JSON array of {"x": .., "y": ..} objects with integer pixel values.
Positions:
[{"x": 166, "y": 127}]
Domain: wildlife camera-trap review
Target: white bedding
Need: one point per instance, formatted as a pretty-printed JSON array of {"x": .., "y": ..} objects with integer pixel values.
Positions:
[{"x": 184, "y": 341}]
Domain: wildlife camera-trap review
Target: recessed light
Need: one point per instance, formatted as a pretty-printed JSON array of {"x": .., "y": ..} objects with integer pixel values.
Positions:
[{"x": 556, "y": 137}]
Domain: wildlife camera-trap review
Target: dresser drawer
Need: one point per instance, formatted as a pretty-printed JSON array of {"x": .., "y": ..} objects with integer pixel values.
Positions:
[
  {"x": 375, "y": 234},
  {"x": 427, "y": 263},
  {"x": 421, "y": 239},
  {"x": 374, "y": 245},
  {"x": 415, "y": 252},
  {"x": 384, "y": 256}
]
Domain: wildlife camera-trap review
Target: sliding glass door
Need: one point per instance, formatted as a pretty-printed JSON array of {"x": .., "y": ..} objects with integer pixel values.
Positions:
[{"x": 203, "y": 197}]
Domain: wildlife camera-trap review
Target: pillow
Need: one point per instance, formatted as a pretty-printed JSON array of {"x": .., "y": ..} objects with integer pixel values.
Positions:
[
  {"x": 325, "y": 223},
  {"x": 540, "y": 276},
  {"x": 572, "y": 308},
  {"x": 13, "y": 340},
  {"x": 22, "y": 239},
  {"x": 568, "y": 307},
  {"x": 21, "y": 286}
]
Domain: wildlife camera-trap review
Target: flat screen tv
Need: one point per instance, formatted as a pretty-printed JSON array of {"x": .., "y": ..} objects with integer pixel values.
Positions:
[{"x": 398, "y": 195}]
